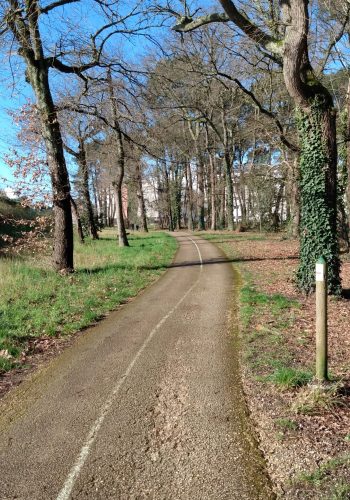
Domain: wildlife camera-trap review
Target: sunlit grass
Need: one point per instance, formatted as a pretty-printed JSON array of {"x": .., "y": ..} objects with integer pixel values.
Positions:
[{"x": 35, "y": 301}]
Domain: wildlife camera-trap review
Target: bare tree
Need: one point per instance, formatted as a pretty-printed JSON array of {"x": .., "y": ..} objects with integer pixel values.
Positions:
[{"x": 284, "y": 41}]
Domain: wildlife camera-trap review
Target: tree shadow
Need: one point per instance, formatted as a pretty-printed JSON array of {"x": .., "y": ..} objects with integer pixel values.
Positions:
[
  {"x": 345, "y": 294},
  {"x": 189, "y": 263}
]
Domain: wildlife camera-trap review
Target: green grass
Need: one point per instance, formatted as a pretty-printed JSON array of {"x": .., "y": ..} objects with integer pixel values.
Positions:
[
  {"x": 341, "y": 491},
  {"x": 286, "y": 424},
  {"x": 325, "y": 470},
  {"x": 251, "y": 300},
  {"x": 222, "y": 237},
  {"x": 289, "y": 377},
  {"x": 315, "y": 400},
  {"x": 329, "y": 481},
  {"x": 35, "y": 301},
  {"x": 265, "y": 346}
]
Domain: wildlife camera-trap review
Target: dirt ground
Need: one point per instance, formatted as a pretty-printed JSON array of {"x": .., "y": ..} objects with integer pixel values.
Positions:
[{"x": 304, "y": 431}]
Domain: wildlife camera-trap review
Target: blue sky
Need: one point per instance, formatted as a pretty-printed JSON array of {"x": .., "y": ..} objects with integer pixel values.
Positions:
[
  {"x": 9, "y": 100},
  {"x": 14, "y": 91},
  {"x": 78, "y": 18}
]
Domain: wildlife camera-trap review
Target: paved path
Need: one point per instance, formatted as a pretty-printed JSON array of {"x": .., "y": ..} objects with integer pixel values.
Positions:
[{"x": 146, "y": 405}]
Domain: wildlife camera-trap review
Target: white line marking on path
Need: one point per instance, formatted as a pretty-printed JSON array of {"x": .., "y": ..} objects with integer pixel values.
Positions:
[{"x": 65, "y": 492}]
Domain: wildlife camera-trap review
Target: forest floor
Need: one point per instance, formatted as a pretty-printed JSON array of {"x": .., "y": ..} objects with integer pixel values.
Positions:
[
  {"x": 304, "y": 432},
  {"x": 41, "y": 309}
]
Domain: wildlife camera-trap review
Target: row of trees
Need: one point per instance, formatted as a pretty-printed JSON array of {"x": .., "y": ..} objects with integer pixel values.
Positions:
[{"x": 237, "y": 119}]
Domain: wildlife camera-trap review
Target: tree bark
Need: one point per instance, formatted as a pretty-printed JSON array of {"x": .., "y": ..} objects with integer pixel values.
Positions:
[
  {"x": 63, "y": 232},
  {"x": 85, "y": 190},
  {"x": 118, "y": 182},
  {"x": 189, "y": 196},
  {"x": 276, "y": 220},
  {"x": 348, "y": 149},
  {"x": 200, "y": 187},
  {"x": 212, "y": 192},
  {"x": 317, "y": 126},
  {"x": 228, "y": 165},
  {"x": 229, "y": 187},
  {"x": 171, "y": 226},
  {"x": 212, "y": 182},
  {"x": 77, "y": 217},
  {"x": 28, "y": 36},
  {"x": 141, "y": 199}
]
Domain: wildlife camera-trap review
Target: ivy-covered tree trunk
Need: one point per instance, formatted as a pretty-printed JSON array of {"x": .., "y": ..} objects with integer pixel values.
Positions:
[
  {"x": 343, "y": 176},
  {"x": 346, "y": 156},
  {"x": 318, "y": 189},
  {"x": 318, "y": 156}
]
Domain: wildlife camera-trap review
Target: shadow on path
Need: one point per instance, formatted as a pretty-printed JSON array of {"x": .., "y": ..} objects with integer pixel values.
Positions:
[{"x": 190, "y": 263}]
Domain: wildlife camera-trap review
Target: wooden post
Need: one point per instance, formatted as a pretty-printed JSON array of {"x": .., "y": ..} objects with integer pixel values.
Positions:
[{"x": 321, "y": 321}]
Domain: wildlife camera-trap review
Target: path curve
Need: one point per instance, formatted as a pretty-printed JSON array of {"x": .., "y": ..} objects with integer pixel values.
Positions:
[{"x": 147, "y": 404}]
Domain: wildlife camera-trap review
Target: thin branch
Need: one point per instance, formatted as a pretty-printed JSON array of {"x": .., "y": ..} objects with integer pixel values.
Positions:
[
  {"x": 264, "y": 111},
  {"x": 59, "y": 3},
  {"x": 336, "y": 39}
]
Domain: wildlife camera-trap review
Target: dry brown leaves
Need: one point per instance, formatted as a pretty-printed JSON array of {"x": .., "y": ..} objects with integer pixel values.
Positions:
[{"x": 318, "y": 438}]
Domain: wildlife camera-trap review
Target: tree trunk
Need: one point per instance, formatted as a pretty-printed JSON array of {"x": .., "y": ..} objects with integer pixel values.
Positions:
[
  {"x": 122, "y": 237},
  {"x": 276, "y": 212},
  {"x": 347, "y": 133},
  {"x": 212, "y": 174},
  {"x": 295, "y": 200},
  {"x": 118, "y": 183},
  {"x": 77, "y": 217},
  {"x": 141, "y": 199},
  {"x": 63, "y": 232},
  {"x": 86, "y": 192},
  {"x": 171, "y": 226},
  {"x": 200, "y": 187},
  {"x": 229, "y": 186},
  {"x": 212, "y": 193},
  {"x": 223, "y": 202},
  {"x": 189, "y": 196},
  {"x": 28, "y": 36},
  {"x": 318, "y": 158}
]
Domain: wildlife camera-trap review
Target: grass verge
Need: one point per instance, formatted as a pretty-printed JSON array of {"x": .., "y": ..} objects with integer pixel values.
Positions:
[
  {"x": 35, "y": 301},
  {"x": 302, "y": 427},
  {"x": 265, "y": 321},
  {"x": 323, "y": 480}
]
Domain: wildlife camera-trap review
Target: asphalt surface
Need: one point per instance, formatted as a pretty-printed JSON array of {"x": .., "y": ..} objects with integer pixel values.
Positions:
[{"x": 146, "y": 405}]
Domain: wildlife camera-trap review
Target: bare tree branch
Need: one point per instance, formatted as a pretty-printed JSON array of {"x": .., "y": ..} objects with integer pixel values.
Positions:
[{"x": 59, "y": 3}]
